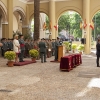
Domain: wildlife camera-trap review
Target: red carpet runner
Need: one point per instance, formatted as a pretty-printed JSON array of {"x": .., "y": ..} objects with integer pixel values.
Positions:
[{"x": 24, "y": 63}]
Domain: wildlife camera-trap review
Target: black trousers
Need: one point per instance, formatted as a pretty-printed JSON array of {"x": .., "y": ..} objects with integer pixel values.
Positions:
[
  {"x": 97, "y": 60},
  {"x": 43, "y": 56},
  {"x": 21, "y": 55}
]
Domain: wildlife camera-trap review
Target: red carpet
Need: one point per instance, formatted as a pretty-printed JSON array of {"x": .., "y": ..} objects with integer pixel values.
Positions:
[
  {"x": 55, "y": 61},
  {"x": 24, "y": 63}
]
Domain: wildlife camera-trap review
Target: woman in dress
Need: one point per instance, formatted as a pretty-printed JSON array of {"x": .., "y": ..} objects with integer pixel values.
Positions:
[{"x": 16, "y": 47}]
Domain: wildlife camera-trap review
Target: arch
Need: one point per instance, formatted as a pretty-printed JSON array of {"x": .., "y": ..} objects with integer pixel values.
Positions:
[
  {"x": 70, "y": 8},
  {"x": 41, "y": 11},
  {"x": 94, "y": 11},
  {"x": 3, "y": 11},
  {"x": 32, "y": 15},
  {"x": 20, "y": 11}
]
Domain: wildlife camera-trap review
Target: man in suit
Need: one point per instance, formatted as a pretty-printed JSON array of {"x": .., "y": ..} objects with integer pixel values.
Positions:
[
  {"x": 42, "y": 50},
  {"x": 98, "y": 52},
  {"x": 56, "y": 48},
  {"x": 22, "y": 48}
]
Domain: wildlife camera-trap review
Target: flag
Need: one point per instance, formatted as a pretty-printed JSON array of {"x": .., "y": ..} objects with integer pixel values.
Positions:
[
  {"x": 85, "y": 25},
  {"x": 81, "y": 25},
  {"x": 56, "y": 27},
  {"x": 44, "y": 26},
  {"x": 92, "y": 25}
]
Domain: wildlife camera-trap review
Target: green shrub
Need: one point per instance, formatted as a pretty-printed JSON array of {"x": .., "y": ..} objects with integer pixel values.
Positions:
[
  {"x": 74, "y": 46},
  {"x": 33, "y": 53},
  {"x": 67, "y": 44},
  {"x": 80, "y": 47},
  {"x": 10, "y": 55}
]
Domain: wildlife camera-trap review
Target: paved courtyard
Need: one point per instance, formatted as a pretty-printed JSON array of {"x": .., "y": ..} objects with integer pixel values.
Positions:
[{"x": 44, "y": 81}]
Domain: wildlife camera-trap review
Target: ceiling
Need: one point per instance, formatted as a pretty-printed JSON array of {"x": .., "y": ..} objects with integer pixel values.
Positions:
[{"x": 31, "y": 1}]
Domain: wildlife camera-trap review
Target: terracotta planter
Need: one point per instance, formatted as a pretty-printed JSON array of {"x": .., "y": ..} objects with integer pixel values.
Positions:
[
  {"x": 67, "y": 51},
  {"x": 73, "y": 51},
  {"x": 80, "y": 52},
  {"x": 33, "y": 59},
  {"x": 10, "y": 63}
]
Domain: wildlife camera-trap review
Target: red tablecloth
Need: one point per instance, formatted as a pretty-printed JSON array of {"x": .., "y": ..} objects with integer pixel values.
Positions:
[
  {"x": 70, "y": 61},
  {"x": 66, "y": 63}
]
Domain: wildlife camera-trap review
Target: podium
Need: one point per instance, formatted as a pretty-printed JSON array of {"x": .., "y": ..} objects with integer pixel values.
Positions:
[{"x": 61, "y": 52}]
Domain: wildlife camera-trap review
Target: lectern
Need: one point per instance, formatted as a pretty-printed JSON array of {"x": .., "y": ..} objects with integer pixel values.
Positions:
[{"x": 61, "y": 52}]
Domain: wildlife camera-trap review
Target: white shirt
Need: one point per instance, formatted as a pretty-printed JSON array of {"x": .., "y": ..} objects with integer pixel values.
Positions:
[{"x": 16, "y": 45}]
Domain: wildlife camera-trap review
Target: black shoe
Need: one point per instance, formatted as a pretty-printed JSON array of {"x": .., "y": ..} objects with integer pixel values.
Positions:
[
  {"x": 45, "y": 61},
  {"x": 98, "y": 66}
]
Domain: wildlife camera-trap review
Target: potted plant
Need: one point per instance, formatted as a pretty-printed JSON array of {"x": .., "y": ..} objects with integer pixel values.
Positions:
[
  {"x": 66, "y": 46},
  {"x": 74, "y": 46},
  {"x": 33, "y": 53},
  {"x": 80, "y": 48},
  {"x": 10, "y": 55}
]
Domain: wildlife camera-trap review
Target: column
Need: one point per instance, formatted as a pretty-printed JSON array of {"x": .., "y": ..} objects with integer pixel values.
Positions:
[
  {"x": 25, "y": 26},
  {"x": 42, "y": 20},
  {"x": 52, "y": 17},
  {"x": 25, "y": 29},
  {"x": 10, "y": 18},
  {"x": 4, "y": 30},
  {"x": 86, "y": 15}
]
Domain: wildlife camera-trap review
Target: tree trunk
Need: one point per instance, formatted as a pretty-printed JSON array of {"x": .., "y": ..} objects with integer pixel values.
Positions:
[{"x": 36, "y": 19}]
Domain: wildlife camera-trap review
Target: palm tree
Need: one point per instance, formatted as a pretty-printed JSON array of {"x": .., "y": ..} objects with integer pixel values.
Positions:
[{"x": 36, "y": 19}]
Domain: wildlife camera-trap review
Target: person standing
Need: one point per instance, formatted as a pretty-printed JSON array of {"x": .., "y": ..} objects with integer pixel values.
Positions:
[
  {"x": 56, "y": 49},
  {"x": 22, "y": 48},
  {"x": 5, "y": 46},
  {"x": 53, "y": 47},
  {"x": 42, "y": 50},
  {"x": 16, "y": 47},
  {"x": 98, "y": 52}
]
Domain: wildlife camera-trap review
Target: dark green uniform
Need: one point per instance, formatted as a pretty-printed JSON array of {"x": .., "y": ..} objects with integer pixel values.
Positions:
[
  {"x": 56, "y": 50},
  {"x": 42, "y": 51},
  {"x": 22, "y": 47}
]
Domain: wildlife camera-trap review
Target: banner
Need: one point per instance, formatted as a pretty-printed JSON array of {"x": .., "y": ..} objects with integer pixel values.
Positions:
[{"x": 92, "y": 25}]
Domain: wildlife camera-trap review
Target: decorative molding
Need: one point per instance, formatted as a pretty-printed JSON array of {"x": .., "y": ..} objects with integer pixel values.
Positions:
[{"x": 41, "y": 1}]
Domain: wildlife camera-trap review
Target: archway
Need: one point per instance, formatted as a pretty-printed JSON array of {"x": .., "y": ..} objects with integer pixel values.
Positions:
[
  {"x": 44, "y": 25},
  {"x": 69, "y": 26},
  {"x": 95, "y": 26},
  {"x": 3, "y": 17},
  {"x": 18, "y": 19}
]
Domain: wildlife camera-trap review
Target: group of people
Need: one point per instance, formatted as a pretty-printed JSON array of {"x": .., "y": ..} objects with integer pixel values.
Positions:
[{"x": 21, "y": 47}]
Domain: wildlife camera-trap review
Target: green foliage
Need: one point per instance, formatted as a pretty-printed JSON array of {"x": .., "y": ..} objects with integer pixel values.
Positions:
[
  {"x": 73, "y": 20},
  {"x": 10, "y": 55},
  {"x": 33, "y": 53},
  {"x": 80, "y": 47},
  {"x": 67, "y": 44},
  {"x": 74, "y": 46},
  {"x": 96, "y": 20},
  {"x": 28, "y": 35}
]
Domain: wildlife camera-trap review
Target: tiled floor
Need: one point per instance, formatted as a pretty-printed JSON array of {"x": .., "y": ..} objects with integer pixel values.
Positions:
[{"x": 44, "y": 81}]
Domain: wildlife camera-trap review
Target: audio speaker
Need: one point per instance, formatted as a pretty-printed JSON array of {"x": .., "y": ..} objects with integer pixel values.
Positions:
[{"x": 83, "y": 41}]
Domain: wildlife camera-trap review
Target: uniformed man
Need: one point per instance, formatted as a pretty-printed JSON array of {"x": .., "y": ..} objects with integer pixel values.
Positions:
[
  {"x": 10, "y": 45},
  {"x": 53, "y": 47},
  {"x": 42, "y": 50},
  {"x": 22, "y": 48},
  {"x": 56, "y": 48},
  {"x": 5, "y": 46}
]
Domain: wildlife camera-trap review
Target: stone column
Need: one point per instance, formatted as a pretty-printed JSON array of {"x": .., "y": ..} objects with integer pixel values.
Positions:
[
  {"x": 52, "y": 17},
  {"x": 10, "y": 18},
  {"x": 25, "y": 29},
  {"x": 4, "y": 30},
  {"x": 86, "y": 15}
]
